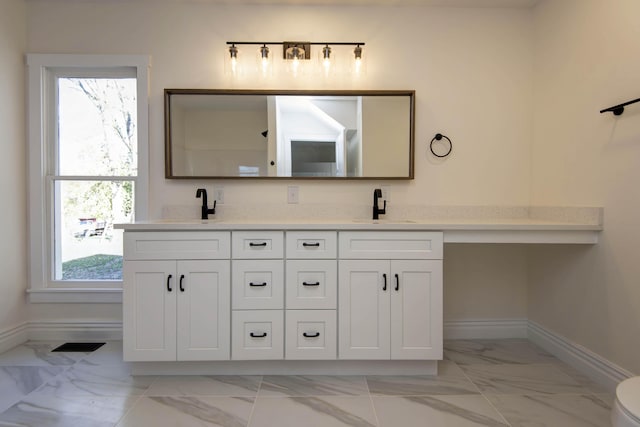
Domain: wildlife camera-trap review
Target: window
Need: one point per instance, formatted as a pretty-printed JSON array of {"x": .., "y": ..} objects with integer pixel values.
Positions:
[{"x": 87, "y": 171}]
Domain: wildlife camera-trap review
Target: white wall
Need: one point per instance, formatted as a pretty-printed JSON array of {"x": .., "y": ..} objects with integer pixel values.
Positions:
[
  {"x": 471, "y": 69},
  {"x": 13, "y": 192},
  {"x": 587, "y": 58}
]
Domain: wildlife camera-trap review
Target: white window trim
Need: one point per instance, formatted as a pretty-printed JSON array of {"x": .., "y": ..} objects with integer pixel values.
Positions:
[{"x": 39, "y": 68}]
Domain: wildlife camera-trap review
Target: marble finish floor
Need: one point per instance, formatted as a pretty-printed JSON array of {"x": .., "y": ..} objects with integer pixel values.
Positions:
[{"x": 480, "y": 383}]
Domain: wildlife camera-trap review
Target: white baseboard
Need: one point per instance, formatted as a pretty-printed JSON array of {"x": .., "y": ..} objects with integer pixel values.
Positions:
[
  {"x": 596, "y": 367},
  {"x": 14, "y": 336},
  {"x": 485, "y": 329},
  {"x": 74, "y": 330}
]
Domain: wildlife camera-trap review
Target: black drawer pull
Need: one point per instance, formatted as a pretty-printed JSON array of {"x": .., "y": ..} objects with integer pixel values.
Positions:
[
  {"x": 169, "y": 283},
  {"x": 316, "y": 244},
  {"x": 314, "y": 335},
  {"x": 257, "y": 244},
  {"x": 181, "y": 286},
  {"x": 384, "y": 287},
  {"x": 257, "y": 284},
  {"x": 262, "y": 335},
  {"x": 310, "y": 284},
  {"x": 397, "y": 283}
]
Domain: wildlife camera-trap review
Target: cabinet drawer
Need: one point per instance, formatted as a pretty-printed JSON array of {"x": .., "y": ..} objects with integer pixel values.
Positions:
[
  {"x": 257, "y": 244},
  {"x": 311, "y": 284},
  {"x": 257, "y": 284},
  {"x": 257, "y": 334},
  {"x": 177, "y": 245},
  {"x": 311, "y": 335},
  {"x": 390, "y": 245},
  {"x": 311, "y": 244}
]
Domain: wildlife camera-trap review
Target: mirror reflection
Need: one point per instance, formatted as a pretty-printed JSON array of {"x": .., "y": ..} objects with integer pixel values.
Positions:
[{"x": 289, "y": 134}]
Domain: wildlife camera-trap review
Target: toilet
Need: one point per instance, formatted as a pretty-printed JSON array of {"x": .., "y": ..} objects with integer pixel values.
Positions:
[{"x": 626, "y": 408}]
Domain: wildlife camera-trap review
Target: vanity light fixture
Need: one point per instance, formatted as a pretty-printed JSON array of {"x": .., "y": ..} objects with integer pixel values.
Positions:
[
  {"x": 233, "y": 59},
  {"x": 357, "y": 65},
  {"x": 295, "y": 54},
  {"x": 265, "y": 62},
  {"x": 326, "y": 60}
]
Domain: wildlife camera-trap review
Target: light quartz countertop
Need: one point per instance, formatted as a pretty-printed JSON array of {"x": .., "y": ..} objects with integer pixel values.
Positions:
[{"x": 540, "y": 225}]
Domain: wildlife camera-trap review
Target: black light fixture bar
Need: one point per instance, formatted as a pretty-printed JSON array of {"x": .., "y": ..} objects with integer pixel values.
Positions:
[
  {"x": 311, "y": 43},
  {"x": 619, "y": 109}
]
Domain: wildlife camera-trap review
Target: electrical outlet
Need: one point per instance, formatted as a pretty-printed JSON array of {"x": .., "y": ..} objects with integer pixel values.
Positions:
[
  {"x": 292, "y": 194},
  {"x": 219, "y": 194}
]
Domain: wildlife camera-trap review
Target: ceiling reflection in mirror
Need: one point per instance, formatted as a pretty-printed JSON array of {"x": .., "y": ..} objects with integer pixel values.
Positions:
[{"x": 289, "y": 134}]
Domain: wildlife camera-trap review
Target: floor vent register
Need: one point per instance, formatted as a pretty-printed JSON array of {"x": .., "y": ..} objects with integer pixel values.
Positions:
[{"x": 84, "y": 347}]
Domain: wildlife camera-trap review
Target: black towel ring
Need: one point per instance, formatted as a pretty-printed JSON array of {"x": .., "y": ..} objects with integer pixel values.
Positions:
[{"x": 438, "y": 137}]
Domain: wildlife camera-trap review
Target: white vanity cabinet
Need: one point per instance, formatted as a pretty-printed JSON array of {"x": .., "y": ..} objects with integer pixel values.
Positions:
[
  {"x": 390, "y": 295},
  {"x": 247, "y": 296},
  {"x": 176, "y": 296}
]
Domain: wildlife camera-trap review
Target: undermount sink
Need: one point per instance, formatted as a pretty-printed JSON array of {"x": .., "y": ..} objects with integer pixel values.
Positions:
[{"x": 384, "y": 221}]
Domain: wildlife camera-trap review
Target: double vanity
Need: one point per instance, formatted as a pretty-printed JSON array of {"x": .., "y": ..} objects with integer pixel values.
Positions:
[{"x": 349, "y": 297}]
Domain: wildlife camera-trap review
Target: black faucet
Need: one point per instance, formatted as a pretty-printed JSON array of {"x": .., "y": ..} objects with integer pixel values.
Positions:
[
  {"x": 205, "y": 207},
  {"x": 377, "y": 194}
]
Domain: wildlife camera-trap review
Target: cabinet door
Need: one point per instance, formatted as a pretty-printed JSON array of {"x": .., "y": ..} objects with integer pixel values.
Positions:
[
  {"x": 203, "y": 323},
  {"x": 363, "y": 309},
  {"x": 416, "y": 309},
  {"x": 149, "y": 310}
]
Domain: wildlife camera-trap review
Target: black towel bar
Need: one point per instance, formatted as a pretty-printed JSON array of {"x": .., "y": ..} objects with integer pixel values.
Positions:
[{"x": 619, "y": 109}]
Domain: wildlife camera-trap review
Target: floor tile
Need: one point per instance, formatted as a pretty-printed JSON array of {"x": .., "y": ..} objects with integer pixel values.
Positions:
[
  {"x": 522, "y": 379},
  {"x": 581, "y": 378},
  {"x": 451, "y": 380},
  {"x": 223, "y": 385},
  {"x": 109, "y": 354},
  {"x": 325, "y": 411},
  {"x": 312, "y": 385},
  {"x": 39, "y": 354},
  {"x": 182, "y": 411},
  {"x": 554, "y": 411},
  {"x": 440, "y": 411},
  {"x": 489, "y": 352},
  {"x": 18, "y": 381},
  {"x": 84, "y": 379},
  {"x": 56, "y": 411}
]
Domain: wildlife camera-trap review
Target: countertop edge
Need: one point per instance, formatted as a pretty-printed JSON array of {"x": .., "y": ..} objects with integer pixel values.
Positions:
[{"x": 523, "y": 231}]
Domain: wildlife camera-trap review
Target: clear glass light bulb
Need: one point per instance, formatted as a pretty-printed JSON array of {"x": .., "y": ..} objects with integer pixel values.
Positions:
[
  {"x": 358, "y": 65},
  {"x": 326, "y": 60},
  {"x": 234, "y": 65},
  {"x": 264, "y": 60},
  {"x": 295, "y": 65}
]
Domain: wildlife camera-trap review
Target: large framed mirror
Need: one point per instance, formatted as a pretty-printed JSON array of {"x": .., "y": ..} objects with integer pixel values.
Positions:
[{"x": 277, "y": 134}]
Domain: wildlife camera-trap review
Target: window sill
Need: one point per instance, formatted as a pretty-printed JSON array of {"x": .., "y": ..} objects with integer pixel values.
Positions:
[{"x": 79, "y": 295}]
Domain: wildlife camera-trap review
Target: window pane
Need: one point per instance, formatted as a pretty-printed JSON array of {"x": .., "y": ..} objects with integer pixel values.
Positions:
[
  {"x": 97, "y": 125},
  {"x": 86, "y": 245}
]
